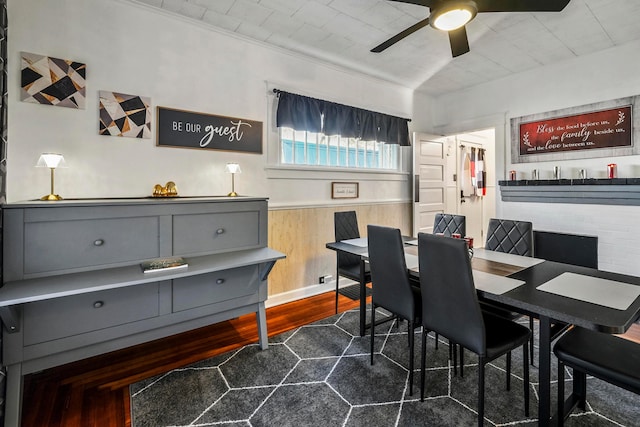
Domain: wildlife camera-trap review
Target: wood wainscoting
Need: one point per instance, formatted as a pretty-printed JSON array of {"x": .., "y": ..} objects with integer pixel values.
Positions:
[{"x": 302, "y": 233}]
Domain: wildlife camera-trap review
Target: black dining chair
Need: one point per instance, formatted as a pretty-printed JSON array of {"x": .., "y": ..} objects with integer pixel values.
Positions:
[
  {"x": 391, "y": 287},
  {"x": 574, "y": 249},
  {"x": 348, "y": 265},
  {"x": 450, "y": 307},
  {"x": 567, "y": 248},
  {"x": 608, "y": 357},
  {"x": 448, "y": 224},
  {"x": 511, "y": 237}
]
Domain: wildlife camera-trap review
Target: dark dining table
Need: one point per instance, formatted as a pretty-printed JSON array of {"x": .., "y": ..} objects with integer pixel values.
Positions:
[{"x": 550, "y": 308}]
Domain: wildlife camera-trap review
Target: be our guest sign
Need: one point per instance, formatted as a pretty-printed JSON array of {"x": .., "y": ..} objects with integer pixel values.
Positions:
[{"x": 188, "y": 129}]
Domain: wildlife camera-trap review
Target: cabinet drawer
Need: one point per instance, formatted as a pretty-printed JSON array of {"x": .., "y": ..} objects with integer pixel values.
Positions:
[
  {"x": 196, "y": 291},
  {"x": 62, "y": 245},
  {"x": 215, "y": 232},
  {"x": 65, "y": 317}
]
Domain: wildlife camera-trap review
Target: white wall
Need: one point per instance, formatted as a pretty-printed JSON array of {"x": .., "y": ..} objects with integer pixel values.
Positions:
[
  {"x": 180, "y": 64},
  {"x": 598, "y": 77}
]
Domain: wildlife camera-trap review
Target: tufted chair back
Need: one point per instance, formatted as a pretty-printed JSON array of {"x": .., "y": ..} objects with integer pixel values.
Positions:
[
  {"x": 448, "y": 224},
  {"x": 509, "y": 236}
]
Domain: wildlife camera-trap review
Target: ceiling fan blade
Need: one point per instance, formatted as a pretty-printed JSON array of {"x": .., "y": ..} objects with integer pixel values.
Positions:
[
  {"x": 459, "y": 41},
  {"x": 395, "y": 39},
  {"x": 521, "y": 5},
  {"x": 426, "y": 3}
]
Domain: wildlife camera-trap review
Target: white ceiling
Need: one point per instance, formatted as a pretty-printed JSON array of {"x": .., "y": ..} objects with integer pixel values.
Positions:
[{"x": 343, "y": 32}]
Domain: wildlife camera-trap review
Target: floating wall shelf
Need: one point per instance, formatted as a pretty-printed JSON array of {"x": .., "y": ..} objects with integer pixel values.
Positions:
[{"x": 594, "y": 191}]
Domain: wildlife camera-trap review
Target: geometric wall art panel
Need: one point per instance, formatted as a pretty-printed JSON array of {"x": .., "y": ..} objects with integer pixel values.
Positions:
[
  {"x": 125, "y": 115},
  {"x": 52, "y": 81}
]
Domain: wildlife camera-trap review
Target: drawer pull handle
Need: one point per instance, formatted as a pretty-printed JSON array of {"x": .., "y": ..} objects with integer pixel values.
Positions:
[
  {"x": 98, "y": 242},
  {"x": 220, "y": 231},
  {"x": 98, "y": 304},
  {"x": 219, "y": 281}
]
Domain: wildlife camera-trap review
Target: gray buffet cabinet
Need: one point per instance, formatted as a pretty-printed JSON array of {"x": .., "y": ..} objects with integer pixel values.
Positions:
[{"x": 73, "y": 286}]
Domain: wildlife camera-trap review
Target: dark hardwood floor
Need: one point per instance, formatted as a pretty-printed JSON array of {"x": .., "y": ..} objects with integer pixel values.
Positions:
[{"x": 95, "y": 391}]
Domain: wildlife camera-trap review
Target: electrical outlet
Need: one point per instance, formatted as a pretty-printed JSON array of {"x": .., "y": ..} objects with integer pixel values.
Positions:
[{"x": 325, "y": 279}]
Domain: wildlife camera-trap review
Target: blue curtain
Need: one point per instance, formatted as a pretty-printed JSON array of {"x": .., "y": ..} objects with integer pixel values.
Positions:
[
  {"x": 303, "y": 113},
  {"x": 299, "y": 112},
  {"x": 340, "y": 120}
]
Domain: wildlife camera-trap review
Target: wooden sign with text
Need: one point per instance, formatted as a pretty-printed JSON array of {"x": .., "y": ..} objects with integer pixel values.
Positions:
[
  {"x": 597, "y": 129},
  {"x": 187, "y": 129}
]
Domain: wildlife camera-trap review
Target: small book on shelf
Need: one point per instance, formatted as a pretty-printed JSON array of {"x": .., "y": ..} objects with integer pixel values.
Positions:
[{"x": 164, "y": 264}]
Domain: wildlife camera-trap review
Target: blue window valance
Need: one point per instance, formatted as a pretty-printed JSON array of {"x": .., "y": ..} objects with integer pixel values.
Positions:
[{"x": 303, "y": 113}]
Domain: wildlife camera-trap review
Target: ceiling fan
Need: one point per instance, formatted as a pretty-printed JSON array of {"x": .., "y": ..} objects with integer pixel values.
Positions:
[{"x": 453, "y": 15}]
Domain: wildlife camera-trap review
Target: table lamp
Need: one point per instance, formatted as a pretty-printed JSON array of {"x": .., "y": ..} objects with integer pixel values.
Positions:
[
  {"x": 233, "y": 169},
  {"x": 51, "y": 161}
]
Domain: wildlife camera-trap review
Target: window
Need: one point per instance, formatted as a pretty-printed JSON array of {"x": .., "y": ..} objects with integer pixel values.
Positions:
[
  {"x": 314, "y": 132},
  {"x": 318, "y": 149}
]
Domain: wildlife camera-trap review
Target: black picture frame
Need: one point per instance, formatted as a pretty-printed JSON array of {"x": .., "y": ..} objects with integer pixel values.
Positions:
[{"x": 189, "y": 129}]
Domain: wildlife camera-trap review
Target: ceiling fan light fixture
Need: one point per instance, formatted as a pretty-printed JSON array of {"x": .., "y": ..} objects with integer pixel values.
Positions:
[{"x": 453, "y": 15}]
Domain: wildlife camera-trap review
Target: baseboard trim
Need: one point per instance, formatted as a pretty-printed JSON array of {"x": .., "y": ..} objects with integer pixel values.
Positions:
[{"x": 305, "y": 292}]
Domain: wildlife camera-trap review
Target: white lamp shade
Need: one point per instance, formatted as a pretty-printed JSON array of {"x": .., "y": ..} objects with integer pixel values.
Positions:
[
  {"x": 51, "y": 160},
  {"x": 233, "y": 168}
]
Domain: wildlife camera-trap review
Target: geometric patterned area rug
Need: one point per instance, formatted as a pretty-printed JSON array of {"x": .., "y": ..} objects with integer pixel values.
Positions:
[
  {"x": 353, "y": 291},
  {"x": 320, "y": 375}
]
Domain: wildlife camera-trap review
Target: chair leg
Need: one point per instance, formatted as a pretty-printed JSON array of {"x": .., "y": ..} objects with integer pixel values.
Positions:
[
  {"x": 531, "y": 340},
  {"x": 580, "y": 388},
  {"x": 423, "y": 357},
  {"x": 436, "y": 341},
  {"x": 461, "y": 361},
  {"x": 509, "y": 371},
  {"x": 560, "y": 394},
  {"x": 337, "y": 280},
  {"x": 454, "y": 348},
  {"x": 480, "y": 391},
  {"x": 373, "y": 327},
  {"x": 408, "y": 326},
  {"x": 525, "y": 367},
  {"x": 411, "y": 343}
]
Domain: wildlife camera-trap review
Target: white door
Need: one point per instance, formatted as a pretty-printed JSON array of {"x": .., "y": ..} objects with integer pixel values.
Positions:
[
  {"x": 429, "y": 172},
  {"x": 477, "y": 209}
]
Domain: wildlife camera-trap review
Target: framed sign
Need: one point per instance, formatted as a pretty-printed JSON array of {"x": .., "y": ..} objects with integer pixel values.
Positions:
[
  {"x": 598, "y": 129},
  {"x": 604, "y": 129},
  {"x": 188, "y": 129},
  {"x": 344, "y": 190}
]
